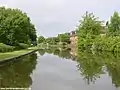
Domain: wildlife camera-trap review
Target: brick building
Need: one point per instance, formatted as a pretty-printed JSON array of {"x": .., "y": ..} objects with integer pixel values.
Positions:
[{"x": 73, "y": 38}]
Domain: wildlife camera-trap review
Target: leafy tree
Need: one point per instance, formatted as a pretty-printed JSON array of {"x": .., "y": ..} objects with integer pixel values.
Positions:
[
  {"x": 114, "y": 26},
  {"x": 89, "y": 27},
  {"x": 41, "y": 39},
  {"x": 48, "y": 40},
  {"x": 15, "y": 27},
  {"x": 52, "y": 40},
  {"x": 33, "y": 35},
  {"x": 56, "y": 39},
  {"x": 65, "y": 38}
]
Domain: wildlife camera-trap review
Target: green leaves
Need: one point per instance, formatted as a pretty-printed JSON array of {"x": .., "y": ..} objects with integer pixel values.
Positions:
[
  {"x": 41, "y": 39},
  {"x": 88, "y": 29},
  {"x": 15, "y": 27},
  {"x": 90, "y": 24},
  {"x": 114, "y": 26},
  {"x": 65, "y": 38}
]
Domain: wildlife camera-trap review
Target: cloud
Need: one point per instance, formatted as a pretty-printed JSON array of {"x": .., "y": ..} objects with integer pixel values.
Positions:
[{"x": 57, "y": 16}]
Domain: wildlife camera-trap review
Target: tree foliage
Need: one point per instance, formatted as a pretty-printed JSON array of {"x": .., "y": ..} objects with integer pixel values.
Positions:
[
  {"x": 65, "y": 38},
  {"x": 41, "y": 39},
  {"x": 114, "y": 26},
  {"x": 16, "y": 27},
  {"x": 88, "y": 29},
  {"x": 89, "y": 25},
  {"x": 52, "y": 40},
  {"x": 110, "y": 42}
]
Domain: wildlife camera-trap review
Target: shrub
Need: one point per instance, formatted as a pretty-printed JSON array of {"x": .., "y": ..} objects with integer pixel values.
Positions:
[
  {"x": 107, "y": 44},
  {"x": 22, "y": 46},
  {"x": 85, "y": 43},
  {"x": 6, "y": 48}
]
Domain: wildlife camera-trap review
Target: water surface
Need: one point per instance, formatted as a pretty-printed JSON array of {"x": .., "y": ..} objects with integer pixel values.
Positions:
[{"x": 57, "y": 69}]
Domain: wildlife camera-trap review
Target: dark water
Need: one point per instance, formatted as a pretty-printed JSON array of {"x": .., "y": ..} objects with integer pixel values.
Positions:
[{"x": 58, "y": 69}]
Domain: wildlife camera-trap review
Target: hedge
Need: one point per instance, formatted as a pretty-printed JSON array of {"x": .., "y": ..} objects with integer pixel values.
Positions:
[{"x": 6, "y": 48}]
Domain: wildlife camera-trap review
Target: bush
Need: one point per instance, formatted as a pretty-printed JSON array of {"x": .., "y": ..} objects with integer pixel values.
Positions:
[
  {"x": 107, "y": 44},
  {"x": 85, "y": 43},
  {"x": 22, "y": 46},
  {"x": 6, "y": 48}
]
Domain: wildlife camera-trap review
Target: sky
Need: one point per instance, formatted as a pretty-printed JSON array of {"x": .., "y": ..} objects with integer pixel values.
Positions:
[{"x": 52, "y": 17}]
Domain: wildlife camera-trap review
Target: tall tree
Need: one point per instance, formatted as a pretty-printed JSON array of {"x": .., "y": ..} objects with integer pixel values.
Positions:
[
  {"x": 89, "y": 27},
  {"x": 114, "y": 25},
  {"x": 15, "y": 27},
  {"x": 89, "y": 24}
]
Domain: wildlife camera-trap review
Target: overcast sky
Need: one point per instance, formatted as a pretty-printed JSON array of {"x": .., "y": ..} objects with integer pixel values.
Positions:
[{"x": 58, "y": 16}]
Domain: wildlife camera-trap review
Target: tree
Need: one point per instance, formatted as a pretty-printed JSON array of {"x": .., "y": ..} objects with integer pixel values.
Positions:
[
  {"x": 41, "y": 39},
  {"x": 114, "y": 26},
  {"x": 32, "y": 35},
  {"x": 89, "y": 25},
  {"x": 88, "y": 29},
  {"x": 48, "y": 40},
  {"x": 65, "y": 38},
  {"x": 56, "y": 39},
  {"x": 15, "y": 27}
]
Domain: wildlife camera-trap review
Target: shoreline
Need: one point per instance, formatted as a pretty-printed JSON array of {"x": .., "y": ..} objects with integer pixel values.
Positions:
[{"x": 16, "y": 56}]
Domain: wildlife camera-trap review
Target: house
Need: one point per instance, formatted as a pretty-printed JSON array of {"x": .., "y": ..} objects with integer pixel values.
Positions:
[{"x": 73, "y": 38}]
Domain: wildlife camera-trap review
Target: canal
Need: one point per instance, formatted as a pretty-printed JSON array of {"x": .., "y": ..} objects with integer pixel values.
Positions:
[{"x": 61, "y": 69}]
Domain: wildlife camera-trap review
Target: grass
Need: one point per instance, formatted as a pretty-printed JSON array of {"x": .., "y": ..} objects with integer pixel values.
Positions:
[{"x": 13, "y": 54}]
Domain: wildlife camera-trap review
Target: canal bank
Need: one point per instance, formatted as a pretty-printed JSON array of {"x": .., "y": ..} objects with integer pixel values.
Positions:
[{"x": 8, "y": 56}]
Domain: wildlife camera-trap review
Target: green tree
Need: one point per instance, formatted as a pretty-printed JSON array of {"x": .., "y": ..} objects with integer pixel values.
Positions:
[
  {"x": 52, "y": 40},
  {"x": 114, "y": 25},
  {"x": 32, "y": 35},
  {"x": 56, "y": 39},
  {"x": 65, "y": 38},
  {"x": 49, "y": 40},
  {"x": 15, "y": 27},
  {"x": 88, "y": 29},
  {"x": 41, "y": 39}
]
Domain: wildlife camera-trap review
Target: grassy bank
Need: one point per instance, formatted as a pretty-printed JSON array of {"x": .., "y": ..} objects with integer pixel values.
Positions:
[{"x": 8, "y": 55}]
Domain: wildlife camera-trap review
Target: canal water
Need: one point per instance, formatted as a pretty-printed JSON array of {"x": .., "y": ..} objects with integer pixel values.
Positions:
[{"x": 61, "y": 69}]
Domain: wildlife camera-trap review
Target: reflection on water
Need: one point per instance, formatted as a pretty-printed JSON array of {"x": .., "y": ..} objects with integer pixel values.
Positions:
[
  {"x": 61, "y": 52},
  {"x": 92, "y": 66},
  {"x": 63, "y": 69},
  {"x": 17, "y": 74}
]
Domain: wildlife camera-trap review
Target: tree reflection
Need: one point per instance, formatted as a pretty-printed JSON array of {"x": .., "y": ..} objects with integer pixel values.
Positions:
[
  {"x": 17, "y": 73},
  {"x": 61, "y": 52},
  {"x": 113, "y": 68},
  {"x": 114, "y": 72},
  {"x": 42, "y": 52},
  {"x": 90, "y": 66}
]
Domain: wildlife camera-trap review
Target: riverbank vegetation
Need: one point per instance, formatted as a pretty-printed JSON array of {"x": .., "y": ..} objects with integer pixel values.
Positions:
[
  {"x": 13, "y": 54},
  {"x": 16, "y": 30},
  {"x": 90, "y": 37},
  {"x": 60, "y": 39}
]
